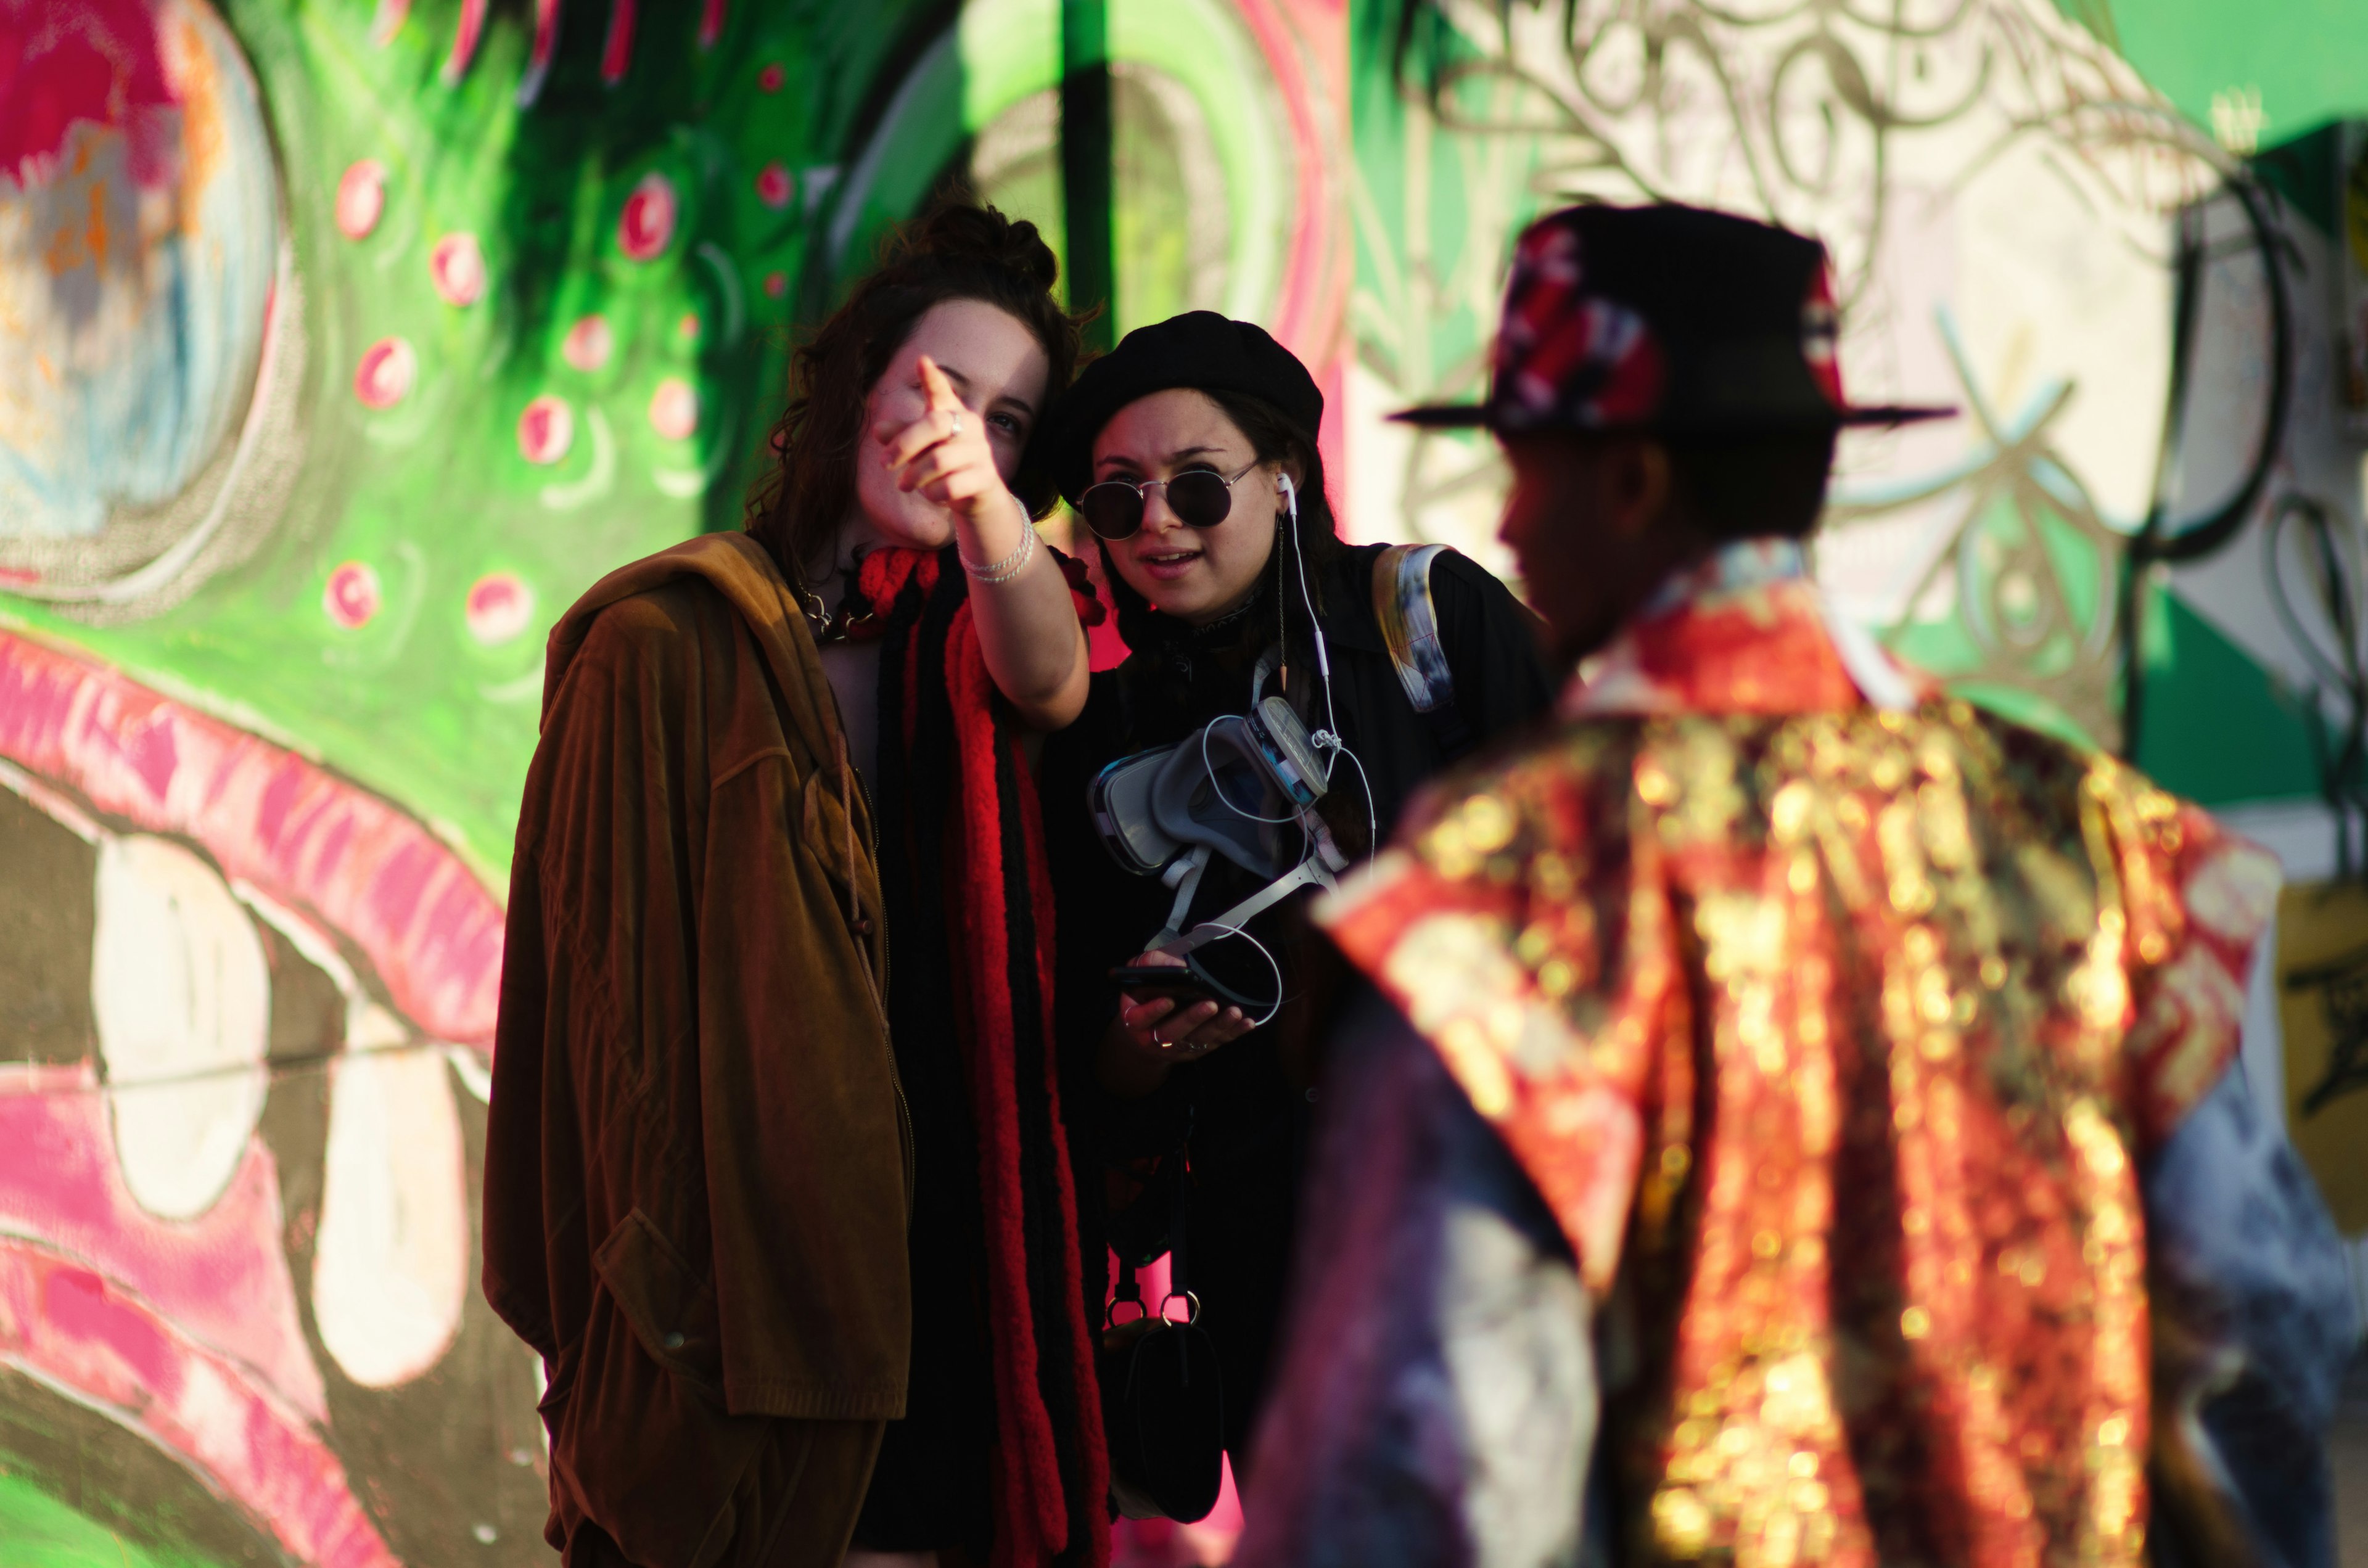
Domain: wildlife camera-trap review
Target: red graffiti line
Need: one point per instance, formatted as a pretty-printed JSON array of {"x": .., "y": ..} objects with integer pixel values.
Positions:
[{"x": 304, "y": 836}]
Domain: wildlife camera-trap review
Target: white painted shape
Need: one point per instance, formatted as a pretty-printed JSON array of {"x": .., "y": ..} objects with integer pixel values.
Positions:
[
  {"x": 474, "y": 1071},
  {"x": 2048, "y": 291},
  {"x": 1385, "y": 461},
  {"x": 1893, "y": 352},
  {"x": 390, "y": 1269},
  {"x": 181, "y": 994},
  {"x": 312, "y": 944}
]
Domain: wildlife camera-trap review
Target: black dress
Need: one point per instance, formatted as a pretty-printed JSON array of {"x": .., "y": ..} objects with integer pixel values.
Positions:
[{"x": 1243, "y": 1109}]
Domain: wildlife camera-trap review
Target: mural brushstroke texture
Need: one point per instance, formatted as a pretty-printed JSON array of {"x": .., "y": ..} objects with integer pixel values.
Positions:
[{"x": 351, "y": 339}]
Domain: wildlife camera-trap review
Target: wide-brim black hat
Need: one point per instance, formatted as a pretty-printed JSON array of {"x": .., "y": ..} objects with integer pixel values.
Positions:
[
  {"x": 1666, "y": 320},
  {"x": 1200, "y": 349}
]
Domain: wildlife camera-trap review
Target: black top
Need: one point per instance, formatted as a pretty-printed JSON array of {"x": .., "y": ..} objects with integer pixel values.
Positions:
[{"x": 1239, "y": 1104}]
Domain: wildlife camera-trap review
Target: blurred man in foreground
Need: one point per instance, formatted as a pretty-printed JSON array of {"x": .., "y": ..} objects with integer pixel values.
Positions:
[{"x": 1793, "y": 1116}]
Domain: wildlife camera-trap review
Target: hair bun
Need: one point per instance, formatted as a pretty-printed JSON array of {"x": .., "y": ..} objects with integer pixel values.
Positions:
[{"x": 959, "y": 232}]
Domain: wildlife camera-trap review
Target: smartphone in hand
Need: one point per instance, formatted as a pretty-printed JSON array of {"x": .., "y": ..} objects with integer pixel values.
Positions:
[{"x": 1174, "y": 982}]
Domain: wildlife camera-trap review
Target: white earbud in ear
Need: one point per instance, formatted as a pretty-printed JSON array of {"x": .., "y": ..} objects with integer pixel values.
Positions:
[{"x": 1290, "y": 497}]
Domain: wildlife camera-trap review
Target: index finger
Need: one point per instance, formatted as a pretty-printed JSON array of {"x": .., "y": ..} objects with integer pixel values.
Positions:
[{"x": 939, "y": 389}]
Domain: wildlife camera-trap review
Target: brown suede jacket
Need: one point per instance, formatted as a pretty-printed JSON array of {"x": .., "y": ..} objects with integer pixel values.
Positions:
[{"x": 698, "y": 1162}]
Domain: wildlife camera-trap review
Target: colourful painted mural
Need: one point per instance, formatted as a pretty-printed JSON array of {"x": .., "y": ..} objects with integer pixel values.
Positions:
[
  {"x": 348, "y": 344},
  {"x": 348, "y": 340}
]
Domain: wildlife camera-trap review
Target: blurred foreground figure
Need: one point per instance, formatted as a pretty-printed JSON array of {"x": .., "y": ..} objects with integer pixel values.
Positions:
[{"x": 1792, "y": 1117}]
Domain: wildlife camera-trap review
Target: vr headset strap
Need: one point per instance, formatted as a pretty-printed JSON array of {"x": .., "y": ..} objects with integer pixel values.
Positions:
[
  {"x": 1311, "y": 872},
  {"x": 1185, "y": 878}
]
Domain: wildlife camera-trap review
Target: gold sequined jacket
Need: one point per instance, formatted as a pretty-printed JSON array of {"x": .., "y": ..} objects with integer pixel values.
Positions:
[{"x": 1831, "y": 1020}]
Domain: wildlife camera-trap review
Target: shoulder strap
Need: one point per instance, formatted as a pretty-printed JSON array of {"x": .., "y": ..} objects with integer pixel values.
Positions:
[{"x": 1409, "y": 619}]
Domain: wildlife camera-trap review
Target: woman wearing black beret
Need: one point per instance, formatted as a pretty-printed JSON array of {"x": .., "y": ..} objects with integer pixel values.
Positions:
[{"x": 1190, "y": 452}]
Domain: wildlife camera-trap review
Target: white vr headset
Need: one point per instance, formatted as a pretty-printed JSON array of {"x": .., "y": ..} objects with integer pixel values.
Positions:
[{"x": 1244, "y": 786}]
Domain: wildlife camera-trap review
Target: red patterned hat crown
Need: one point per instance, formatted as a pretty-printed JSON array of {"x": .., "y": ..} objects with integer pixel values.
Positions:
[{"x": 1669, "y": 320}]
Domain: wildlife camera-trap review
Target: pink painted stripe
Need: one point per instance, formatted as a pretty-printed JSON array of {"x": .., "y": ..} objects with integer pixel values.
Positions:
[
  {"x": 546, "y": 45},
  {"x": 220, "y": 1276},
  {"x": 305, "y": 837},
  {"x": 389, "y": 21},
  {"x": 617, "y": 53},
  {"x": 710, "y": 23},
  {"x": 80, "y": 1329},
  {"x": 1303, "y": 321},
  {"x": 466, "y": 32}
]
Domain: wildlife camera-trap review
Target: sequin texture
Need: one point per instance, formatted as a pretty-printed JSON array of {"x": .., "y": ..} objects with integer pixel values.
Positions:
[{"x": 1832, "y": 1037}]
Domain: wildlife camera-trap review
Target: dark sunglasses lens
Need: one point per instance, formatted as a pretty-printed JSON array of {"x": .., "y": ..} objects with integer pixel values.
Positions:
[
  {"x": 1112, "y": 510},
  {"x": 1199, "y": 499}
]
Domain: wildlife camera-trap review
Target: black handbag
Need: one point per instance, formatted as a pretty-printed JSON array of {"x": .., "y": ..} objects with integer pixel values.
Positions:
[{"x": 1163, "y": 1402}]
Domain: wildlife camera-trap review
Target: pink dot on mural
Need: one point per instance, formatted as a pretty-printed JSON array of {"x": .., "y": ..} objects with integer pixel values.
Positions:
[
  {"x": 352, "y": 595},
  {"x": 674, "y": 409},
  {"x": 499, "y": 607},
  {"x": 773, "y": 185},
  {"x": 647, "y": 222},
  {"x": 770, "y": 78},
  {"x": 776, "y": 284},
  {"x": 589, "y": 343},
  {"x": 546, "y": 430},
  {"x": 361, "y": 196},
  {"x": 458, "y": 268},
  {"x": 688, "y": 326},
  {"x": 386, "y": 372}
]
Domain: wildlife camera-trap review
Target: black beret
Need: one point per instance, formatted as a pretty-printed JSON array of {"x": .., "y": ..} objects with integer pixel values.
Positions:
[{"x": 1200, "y": 349}]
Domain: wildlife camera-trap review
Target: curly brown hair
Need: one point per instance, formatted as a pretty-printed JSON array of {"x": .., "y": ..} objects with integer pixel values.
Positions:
[{"x": 956, "y": 252}]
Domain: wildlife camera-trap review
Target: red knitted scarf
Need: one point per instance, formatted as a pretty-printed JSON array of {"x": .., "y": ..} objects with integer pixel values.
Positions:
[{"x": 1050, "y": 1473}]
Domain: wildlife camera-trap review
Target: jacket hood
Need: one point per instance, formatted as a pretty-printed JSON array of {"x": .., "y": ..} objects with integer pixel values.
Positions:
[{"x": 741, "y": 570}]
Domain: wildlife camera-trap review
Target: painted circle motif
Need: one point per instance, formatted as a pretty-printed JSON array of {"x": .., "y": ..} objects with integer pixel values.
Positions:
[
  {"x": 770, "y": 78},
  {"x": 140, "y": 200},
  {"x": 589, "y": 343},
  {"x": 646, "y": 224},
  {"x": 687, "y": 328},
  {"x": 362, "y": 198},
  {"x": 546, "y": 430},
  {"x": 457, "y": 267},
  {"x": 499, "y": 607},
  {"x": 674, "y": 409},
  {"x": 774, "y": 185},
  {"x": 352, "y": 596},
  {"x": 775, "y": 285},
  {"x": 384, "y": 377}
]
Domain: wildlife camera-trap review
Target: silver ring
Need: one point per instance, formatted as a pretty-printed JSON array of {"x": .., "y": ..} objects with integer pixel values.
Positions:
[{"x": 957, "y": 427}]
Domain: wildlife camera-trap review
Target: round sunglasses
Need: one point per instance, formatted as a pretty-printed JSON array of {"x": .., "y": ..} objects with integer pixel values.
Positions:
[{"x": 1201, "y": 499}]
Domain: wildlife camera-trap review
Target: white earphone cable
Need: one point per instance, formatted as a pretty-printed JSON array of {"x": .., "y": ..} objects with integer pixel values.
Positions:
[
  {"x": 1218, "y": 784},
  {"x": 1265, "y": 953},
  {"x": 1328, "y": 739}
]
